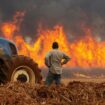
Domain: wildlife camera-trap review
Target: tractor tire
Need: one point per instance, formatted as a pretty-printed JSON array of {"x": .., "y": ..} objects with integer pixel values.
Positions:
[{"x": 23, "y": 69}]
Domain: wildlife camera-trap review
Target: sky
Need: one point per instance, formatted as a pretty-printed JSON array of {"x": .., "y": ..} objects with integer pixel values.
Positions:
[{"x": 74, "y": 15}]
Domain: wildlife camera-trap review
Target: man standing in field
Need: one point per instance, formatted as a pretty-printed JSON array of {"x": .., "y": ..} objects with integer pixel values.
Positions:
[{"x": 54, "y": 60}]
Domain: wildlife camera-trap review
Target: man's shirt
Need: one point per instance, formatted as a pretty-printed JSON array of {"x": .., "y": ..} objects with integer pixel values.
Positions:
[{"x": 55, "y": 59}]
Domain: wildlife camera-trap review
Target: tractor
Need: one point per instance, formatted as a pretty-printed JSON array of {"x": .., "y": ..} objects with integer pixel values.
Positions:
[{"x": 14, "y": 67}]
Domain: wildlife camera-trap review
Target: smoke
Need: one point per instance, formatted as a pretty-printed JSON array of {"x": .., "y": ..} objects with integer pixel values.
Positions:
[{"x": 74, "y": 15}]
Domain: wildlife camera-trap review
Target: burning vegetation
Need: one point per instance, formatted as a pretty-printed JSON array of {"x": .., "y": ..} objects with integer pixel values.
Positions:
[{"x": 85, "y": 52}]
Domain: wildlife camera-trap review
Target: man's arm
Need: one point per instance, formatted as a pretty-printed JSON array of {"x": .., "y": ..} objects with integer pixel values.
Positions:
[
  {"x": 66, "y": 58},
  {"x": 47, "y": 59}
]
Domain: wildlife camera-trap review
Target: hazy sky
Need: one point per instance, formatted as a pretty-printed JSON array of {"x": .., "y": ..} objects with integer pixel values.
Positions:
[{"x": 72, "y": 14}]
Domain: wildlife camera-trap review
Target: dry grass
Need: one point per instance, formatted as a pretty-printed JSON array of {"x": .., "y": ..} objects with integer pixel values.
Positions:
[{"x": 74, "y": 93}]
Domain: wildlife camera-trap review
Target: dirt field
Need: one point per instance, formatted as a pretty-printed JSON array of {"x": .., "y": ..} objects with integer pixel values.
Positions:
[
  {"x": 74, "y": 93},
  {"x": 94, "y": 80}
]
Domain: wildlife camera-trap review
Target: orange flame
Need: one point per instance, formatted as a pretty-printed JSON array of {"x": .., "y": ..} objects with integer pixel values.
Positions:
[
  {"x": 85, "y": 52},
  {"x": 8, "y": 30}
]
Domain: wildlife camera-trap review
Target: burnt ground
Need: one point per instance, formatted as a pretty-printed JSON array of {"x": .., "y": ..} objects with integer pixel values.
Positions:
[{"x": 74, "y": 93}]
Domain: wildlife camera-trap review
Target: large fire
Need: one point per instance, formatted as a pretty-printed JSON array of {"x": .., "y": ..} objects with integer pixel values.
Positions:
[{"x": 86, "y": 52}]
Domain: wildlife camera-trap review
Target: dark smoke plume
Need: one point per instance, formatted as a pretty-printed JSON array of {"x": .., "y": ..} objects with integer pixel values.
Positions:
[{"x": 72, "y": 14}]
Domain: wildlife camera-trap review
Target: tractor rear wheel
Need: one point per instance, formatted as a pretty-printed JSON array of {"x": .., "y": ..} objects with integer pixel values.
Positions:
[{"x": 23, "y": 69}]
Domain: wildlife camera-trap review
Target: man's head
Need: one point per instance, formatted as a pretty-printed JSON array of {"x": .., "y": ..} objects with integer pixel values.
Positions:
[{"x": 55, "y": 45}]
